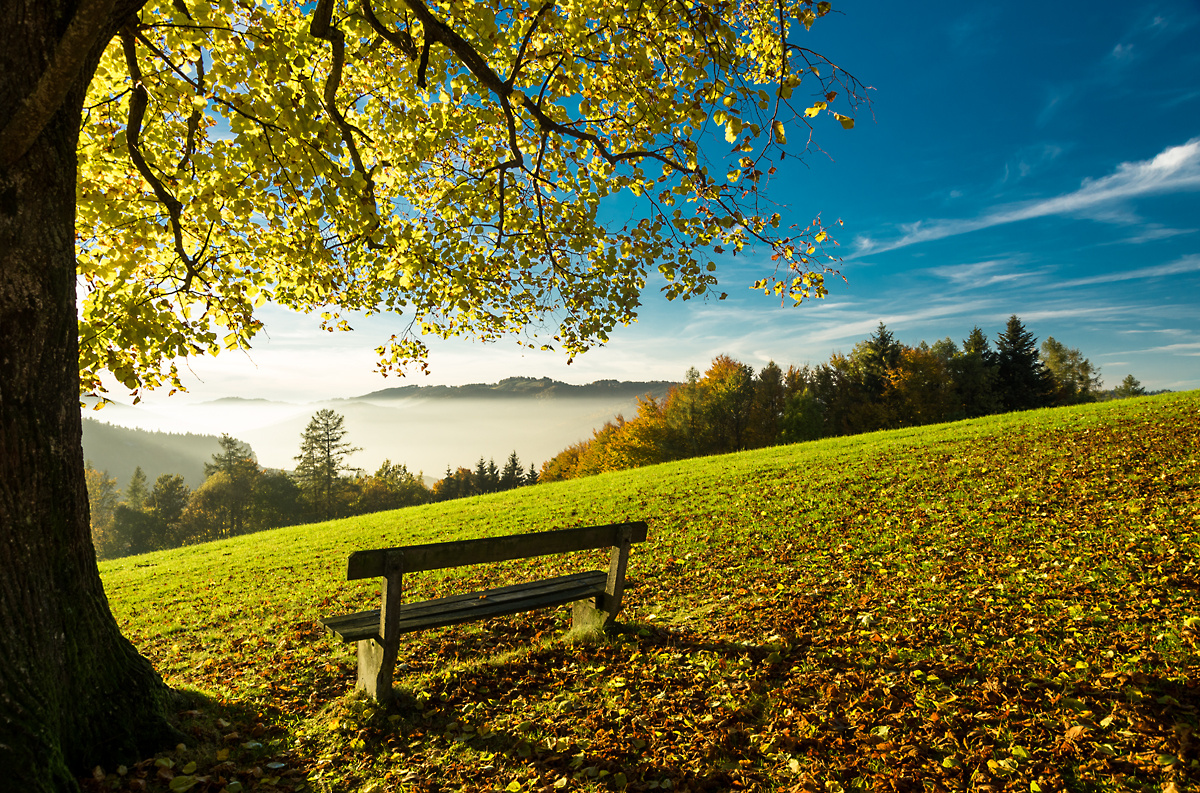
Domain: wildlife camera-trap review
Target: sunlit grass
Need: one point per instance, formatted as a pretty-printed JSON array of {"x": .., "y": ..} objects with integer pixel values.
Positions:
[{"x": 1006, "y": 601}]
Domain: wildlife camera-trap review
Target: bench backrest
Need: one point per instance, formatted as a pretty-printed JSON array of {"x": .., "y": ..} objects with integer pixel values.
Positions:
[{"x": 438, "y": 555}]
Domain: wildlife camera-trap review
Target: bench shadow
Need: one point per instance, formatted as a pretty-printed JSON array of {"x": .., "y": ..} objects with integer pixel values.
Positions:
[{"x": 518, "y": 659}]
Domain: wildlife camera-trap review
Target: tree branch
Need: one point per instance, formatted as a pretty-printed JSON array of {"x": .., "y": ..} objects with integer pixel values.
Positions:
[
  {"x": 138, "y": 99},
  {"x": 322, "y": 27}
]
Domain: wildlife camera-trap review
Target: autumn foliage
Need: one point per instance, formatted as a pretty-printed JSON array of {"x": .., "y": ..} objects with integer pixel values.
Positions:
[{"x": 881, "y": 384}]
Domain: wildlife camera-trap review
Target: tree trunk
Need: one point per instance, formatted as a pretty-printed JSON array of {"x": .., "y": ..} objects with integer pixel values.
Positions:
[{"x": 73, "y": 691}]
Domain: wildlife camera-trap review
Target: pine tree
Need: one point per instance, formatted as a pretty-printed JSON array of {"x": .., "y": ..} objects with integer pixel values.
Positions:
[
  {"x": 873, "y": 358},
  {"x": 974, "y": 372},
  {"x": 510, "y": 477},
  {"x": 1022, "y": 380},
  {"x": 531, "y": 477},
  {"x": 137, "y": 492},
  {"x": 235, "y": 458},
  {"x": 321, "y": 461}
]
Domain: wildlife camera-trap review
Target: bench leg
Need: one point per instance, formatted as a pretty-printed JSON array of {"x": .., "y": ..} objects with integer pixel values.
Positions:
[
  {"x": 375, "y": 666},
  {"x": 600, "y": 613},
  {"x": 585, "y": 616}
]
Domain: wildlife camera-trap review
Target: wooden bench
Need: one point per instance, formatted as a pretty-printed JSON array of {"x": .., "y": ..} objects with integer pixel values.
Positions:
[{"x": 596, "y": 594}]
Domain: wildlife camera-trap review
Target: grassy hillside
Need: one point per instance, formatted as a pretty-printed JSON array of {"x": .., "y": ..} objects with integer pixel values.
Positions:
[{"x": 1005, "y": 603}]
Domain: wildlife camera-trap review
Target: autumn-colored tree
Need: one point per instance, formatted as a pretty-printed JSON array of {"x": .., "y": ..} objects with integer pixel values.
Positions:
[
  {"x": 1074, "y": 377},
  {"x": 728, "y": 388},
  {"x": 103, "y": 498},
  {"x": 564, "y": 465},
  {"x": 920, "y": 389},
  {"x": 443, "y": 161}
]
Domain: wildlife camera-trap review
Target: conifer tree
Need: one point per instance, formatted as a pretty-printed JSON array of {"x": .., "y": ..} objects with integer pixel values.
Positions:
[
  {"x": 322, "y": 460},
  {"x": 137, "y": 492},
  {"x": 238, "y": 466},
  {"x": 1022, "y": 380},
  {"x": 974, "y": 373},
  {"x": 511, "y": 476}
]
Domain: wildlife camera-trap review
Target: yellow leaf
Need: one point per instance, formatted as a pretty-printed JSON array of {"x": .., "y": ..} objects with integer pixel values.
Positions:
[{"x": 847, "y": 122}]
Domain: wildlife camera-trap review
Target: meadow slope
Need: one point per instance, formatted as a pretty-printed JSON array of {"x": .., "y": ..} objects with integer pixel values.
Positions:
[{"x": 1004, "y": 603}]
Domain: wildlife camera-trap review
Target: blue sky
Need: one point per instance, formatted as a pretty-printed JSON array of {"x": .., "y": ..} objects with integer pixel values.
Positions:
[{"x": 1037, "y": 160}]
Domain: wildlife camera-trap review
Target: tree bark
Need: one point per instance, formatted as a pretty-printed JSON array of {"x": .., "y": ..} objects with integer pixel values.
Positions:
[{"x": 73, "y": 691}]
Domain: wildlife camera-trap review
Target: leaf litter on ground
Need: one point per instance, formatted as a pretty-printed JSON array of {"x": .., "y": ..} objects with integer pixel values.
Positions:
[{"x": 1008, "y": 603}]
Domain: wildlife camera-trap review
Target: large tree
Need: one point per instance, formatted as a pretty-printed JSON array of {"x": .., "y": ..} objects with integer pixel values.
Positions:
[
  {"x": 322, "y": 460},
  {"x": 180, "y": 163},
  {"x": 1021, "y": 378}
]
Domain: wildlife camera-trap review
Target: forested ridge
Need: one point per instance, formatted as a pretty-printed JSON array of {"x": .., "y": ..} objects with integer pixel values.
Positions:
[{"x": 881, "y": 384}]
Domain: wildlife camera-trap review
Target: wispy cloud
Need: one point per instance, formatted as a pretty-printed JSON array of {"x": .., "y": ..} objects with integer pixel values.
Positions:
[
  {"x": 1188, "y": 264},
  {"x": 1179, "y": 349},
  {"x": 1175, "y": 169},
  {"x": 981, "y": 274},
  {"x": 1152, "y": 232}
]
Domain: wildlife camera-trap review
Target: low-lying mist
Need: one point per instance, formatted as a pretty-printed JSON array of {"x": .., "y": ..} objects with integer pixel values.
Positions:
[{"x": 427, "y": 435}]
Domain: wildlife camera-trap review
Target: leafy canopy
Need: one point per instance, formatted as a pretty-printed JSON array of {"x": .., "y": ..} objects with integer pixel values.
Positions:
[{"x": 455, "y": 163}]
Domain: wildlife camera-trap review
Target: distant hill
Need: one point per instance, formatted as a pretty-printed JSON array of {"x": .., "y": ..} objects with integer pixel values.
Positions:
[
  {"x": 526, "y": 387},
  {"x": 119, "y": 450},
  {"x": 428, "y": 428}
]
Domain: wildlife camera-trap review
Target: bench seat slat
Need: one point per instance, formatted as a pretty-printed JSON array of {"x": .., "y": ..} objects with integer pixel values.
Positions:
[{"x": 456, "y": 609}]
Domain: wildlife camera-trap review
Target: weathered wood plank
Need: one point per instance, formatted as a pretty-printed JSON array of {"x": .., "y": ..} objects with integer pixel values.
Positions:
[
  {"x": 439, "y": 555},
  {"x": 467, "y": 607}
]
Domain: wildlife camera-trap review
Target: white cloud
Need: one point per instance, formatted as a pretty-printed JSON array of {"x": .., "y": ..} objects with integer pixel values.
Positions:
[
  {"x": 1188, "y": 264},
  {"x": 1175, "y": 169},
  {"x": 980, "y": 274},
  {"x": 1179, "y": 349}
]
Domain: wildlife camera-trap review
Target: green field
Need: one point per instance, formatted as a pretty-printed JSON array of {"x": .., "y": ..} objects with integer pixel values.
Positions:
[{"x": 1005, "y": 603}]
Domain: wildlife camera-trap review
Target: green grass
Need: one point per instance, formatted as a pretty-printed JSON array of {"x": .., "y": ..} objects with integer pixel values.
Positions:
[{"x": 1007, "y": 603}]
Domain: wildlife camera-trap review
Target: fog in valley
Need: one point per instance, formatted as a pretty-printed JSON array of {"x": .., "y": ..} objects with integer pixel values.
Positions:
[{"x": 425, "y": 434}]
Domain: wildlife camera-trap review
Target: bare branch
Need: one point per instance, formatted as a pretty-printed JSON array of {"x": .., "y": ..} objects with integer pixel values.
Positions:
[{"x": 133, "y": 129}]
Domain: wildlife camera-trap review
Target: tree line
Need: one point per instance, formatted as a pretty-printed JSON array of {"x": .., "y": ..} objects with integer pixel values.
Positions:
[
  {"x": 238, "y": 496},
  {"x": 881, "y": 384}
]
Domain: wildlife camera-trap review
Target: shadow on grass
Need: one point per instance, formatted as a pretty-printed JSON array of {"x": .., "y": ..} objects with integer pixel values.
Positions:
[{"x": 572, "y": 727}]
